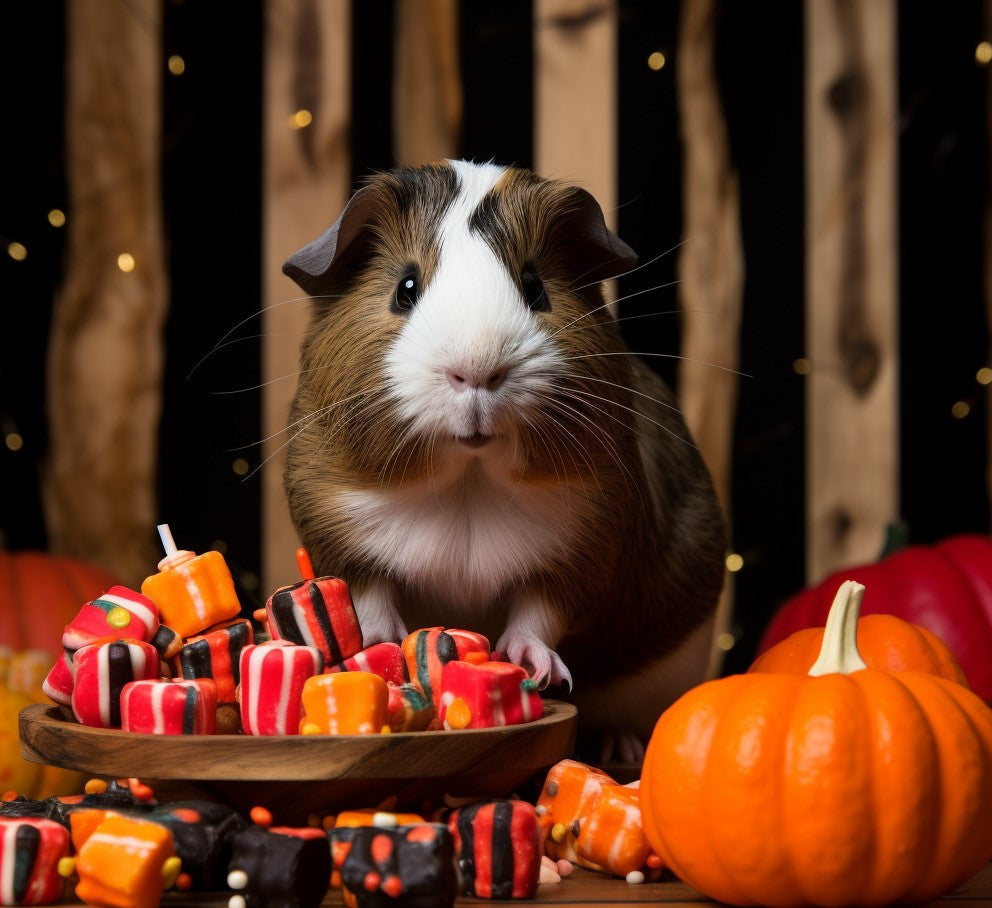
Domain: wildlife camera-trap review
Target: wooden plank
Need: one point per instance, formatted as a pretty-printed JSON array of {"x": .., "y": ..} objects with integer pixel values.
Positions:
[
  {"x": 575, "y": 85},
  {"x": 851, "y": 333},
  {"x": 711, "y": 264},
  {"x": 427, "y": 88},
  {"x": 105, "y": 357},
  {"x": 306, "y": 185}
]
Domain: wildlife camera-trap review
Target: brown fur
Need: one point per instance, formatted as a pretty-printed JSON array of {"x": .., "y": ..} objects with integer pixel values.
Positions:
[{"x": 647, "y": 568}]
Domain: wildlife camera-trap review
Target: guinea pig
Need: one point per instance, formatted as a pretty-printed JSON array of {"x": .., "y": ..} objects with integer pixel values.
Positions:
[{"x": 473, "y": 444}]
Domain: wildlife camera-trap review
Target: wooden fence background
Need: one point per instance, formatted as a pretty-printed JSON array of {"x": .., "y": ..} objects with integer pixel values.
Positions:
[{"x": 811, "y": 205}]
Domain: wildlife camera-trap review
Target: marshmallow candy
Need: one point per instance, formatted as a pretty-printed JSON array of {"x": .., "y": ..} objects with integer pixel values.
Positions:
[
  {"x": 217, "y": 654},
  {"x": 30, "y": 851},
  {"x": 316, "y": 612},
  {"x": 176, "y": 707},
  {"x": 100, "y": 671},
  {"x": 404, "y": 865},
  {"x": 121, "y": 861},
  {"x": 487, "y": 695},
  {"x": 591, "y": 820},
  {"x": 283, "y": 867},
  {"x": 271, "y": 691},
  {"x": 427, "y": 651},
  {"x": 58, "y": 683},
  {"x": 408, "y": 708},
  {"x": 192, "y": 592},
  {"x": 346, "y": 703},
  {"x": 119, "y": 612},
  {"x": 498, "y": 848}
]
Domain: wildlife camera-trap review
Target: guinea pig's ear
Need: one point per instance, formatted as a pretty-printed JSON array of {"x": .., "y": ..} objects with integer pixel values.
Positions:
[
  {"x": 595, "y": 252},
  {"x": 311, "y": 266}
]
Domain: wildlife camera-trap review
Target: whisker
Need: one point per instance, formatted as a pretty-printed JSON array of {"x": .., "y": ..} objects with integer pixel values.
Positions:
[
  {"x": 687, "y": 359},
  {"x": 636, "y": 268},
  {"x": 244, "y": 321}
]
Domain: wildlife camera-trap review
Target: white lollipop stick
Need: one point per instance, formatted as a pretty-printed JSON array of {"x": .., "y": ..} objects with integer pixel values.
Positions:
[{"x": 165, "y": 534}]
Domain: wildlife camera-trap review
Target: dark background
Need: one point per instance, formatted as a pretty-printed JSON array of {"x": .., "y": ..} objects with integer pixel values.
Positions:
[{"x": 212, "y": 192}]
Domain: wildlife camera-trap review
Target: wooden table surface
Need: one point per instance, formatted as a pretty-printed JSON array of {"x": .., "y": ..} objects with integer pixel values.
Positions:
[{"x": 586, "y": 888}]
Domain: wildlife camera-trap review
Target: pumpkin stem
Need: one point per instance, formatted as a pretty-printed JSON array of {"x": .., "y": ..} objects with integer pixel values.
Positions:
[{"x": 839, "y": 652}]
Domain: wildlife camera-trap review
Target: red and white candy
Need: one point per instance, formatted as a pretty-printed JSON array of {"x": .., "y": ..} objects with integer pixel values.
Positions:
[
  {"x": 272, "y": 678},
  {"x": 100, "y": 671},
  {"x": 120, "y": 612},
  {"x": 170, "y": 707}
]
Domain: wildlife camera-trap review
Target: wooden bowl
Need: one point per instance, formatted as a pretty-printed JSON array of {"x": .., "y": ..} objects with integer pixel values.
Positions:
[{"x": 299, "y": 776}]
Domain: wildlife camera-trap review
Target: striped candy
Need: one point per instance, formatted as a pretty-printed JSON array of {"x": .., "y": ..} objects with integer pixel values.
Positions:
[
  {"x": 316, "y": 613},
  {"x": 498, "y": 848},
  {"x": 100, "y": 671},
  {"x": 494, "y": 693},
  {"x": 58, "y": 683},
  {"x": 217, "y": 654},
  {"x": 119, "y": 612},
  {"x": 427, "y": 651},
  {"x": 30, "y": 850},
  {"x": 272, "y": 679},
  {"x": 176, "y": 707},
  {"x": 383, "y": 659}
]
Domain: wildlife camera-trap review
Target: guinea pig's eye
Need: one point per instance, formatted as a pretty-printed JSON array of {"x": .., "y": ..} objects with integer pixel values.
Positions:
[
  {"x": 533, "y": 289},
  {"x": 407, "y": 292}
]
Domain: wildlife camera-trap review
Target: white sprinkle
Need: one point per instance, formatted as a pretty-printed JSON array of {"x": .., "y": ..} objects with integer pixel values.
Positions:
[
  {"x": 236, "y": 901},
  {"x": 635, "y": 877},
  {"x": 384, "y": 819},
  {"x": 237, "y": 879}
]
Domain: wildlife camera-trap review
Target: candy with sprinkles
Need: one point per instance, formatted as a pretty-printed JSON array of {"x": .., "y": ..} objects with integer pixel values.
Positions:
[
  {"x": 347, "y": 703},
  {"x": 120, "y": 859},
  {"x": 271, "y": 692},
  {"x": 412, "y": 866},
  {"x": 30, "y": 851},
  {"x": 282, "y": 867},
  {"x": 119, "y": 612},
  {"x": 193, "y": 592},
  {"x": 342, "y": 833},
  {"x": 100, "y": 671},
  {"x": 216, "y": 654},
  {"x": 498, "y": 846},
  {"x": 487, "y": 695},
  {"x": 382, "y": 659},
  {"x": 591, "y": 820},
  {"x": 317, "y": 611},
  {"x": 170, "y": 707}
]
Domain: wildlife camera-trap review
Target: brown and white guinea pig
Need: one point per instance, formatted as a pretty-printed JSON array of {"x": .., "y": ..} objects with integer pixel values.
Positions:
[{"x": 473, "y": 445}]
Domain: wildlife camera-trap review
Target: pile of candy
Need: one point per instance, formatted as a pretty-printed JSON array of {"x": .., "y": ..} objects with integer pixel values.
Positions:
[
  {"x": 176, "y": 658},
  {"x": 121, "y": 848}
]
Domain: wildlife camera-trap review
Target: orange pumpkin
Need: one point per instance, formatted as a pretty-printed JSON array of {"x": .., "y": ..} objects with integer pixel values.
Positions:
[
  {"x": 885, "y": 642},
  {"x": 40, "y": 594},
  {"x": 845, "y": 786}
]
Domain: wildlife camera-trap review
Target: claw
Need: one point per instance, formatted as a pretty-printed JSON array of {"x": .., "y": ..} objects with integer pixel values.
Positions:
[{"x": 543, "y": 663}]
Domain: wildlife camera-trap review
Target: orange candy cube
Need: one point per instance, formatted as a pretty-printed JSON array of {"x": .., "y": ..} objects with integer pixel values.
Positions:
[
  {"x": 345, "y": 703},
  {"x": 193, "y": 592},
  {"x": 122, "y": 862}
]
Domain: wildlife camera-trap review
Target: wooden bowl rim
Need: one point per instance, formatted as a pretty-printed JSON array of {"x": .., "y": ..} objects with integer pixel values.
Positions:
[{"x": 49, "y": 736}]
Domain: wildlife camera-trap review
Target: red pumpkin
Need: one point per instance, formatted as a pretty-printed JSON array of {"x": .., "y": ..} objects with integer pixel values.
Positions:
[
  {"x": 40, "y": 594},
  {"x": 945, "y": 588}
]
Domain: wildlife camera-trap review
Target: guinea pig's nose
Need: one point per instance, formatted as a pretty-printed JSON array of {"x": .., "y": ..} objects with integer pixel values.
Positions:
[{"x": 464, "y": 379}]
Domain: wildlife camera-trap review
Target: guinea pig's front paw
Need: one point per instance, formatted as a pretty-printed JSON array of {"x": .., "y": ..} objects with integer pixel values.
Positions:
[
  {"x": 377, "y": 616},
  {"x": 532, "y": 653}
]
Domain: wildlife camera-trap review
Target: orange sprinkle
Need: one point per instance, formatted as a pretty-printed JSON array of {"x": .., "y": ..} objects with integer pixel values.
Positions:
[
  {"x": 393, "y": 886},
  {"x": 184, "y": 882},
  {"x": 95, "y": 786},
  {"x": 381, "y": 848},
  {"x": 458, "y": 714},
  {"x": 329, "y": 821},
  {"x": 475, "y": 657},
  {"x": 303, "y": 563},
  {"x": 8, "y": 795},
  {"x": 259, "y": 615},
  {"x": 422, "y": 833},
  {"x": 261, "y": 816},
  {"x": 187, "y": 814},
  {"x": 372, "y": 881},
  {"x": 654, "y": 861},
  {"x": 141, "y": 791}
]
